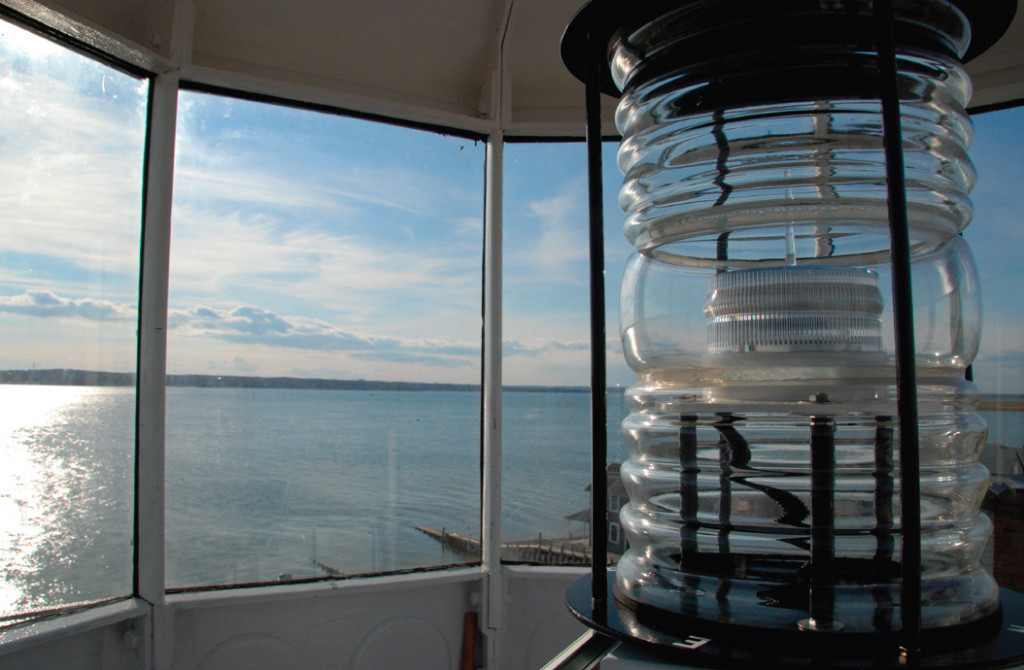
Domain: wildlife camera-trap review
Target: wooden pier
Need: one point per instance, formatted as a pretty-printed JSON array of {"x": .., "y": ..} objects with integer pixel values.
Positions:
[{"x": 563, "y": 551}]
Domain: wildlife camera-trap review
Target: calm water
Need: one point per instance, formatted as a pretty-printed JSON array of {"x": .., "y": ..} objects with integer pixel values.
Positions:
[
  {"x": 264, "y": 484},
  {"x": 66, "y": 464},
  {"x": 269, "y": 483}
]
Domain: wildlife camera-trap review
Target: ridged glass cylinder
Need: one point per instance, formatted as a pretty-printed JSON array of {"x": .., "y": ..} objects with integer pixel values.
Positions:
[{"x": 763, "y": 469}]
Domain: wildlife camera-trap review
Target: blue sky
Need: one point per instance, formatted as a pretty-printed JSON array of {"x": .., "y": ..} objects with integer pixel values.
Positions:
[
  {"x": 996, "y": 237},
  {"x": 309, "y": 244},
  {"x": 71, "y": 136},
  {"x": 316, "y": 245}
]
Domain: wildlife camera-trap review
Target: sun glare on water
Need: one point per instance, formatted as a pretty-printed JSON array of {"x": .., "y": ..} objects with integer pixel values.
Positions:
[{"x": 28, "y": 482}]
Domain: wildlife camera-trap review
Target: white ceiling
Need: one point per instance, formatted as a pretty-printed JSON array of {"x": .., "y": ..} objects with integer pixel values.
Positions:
[{"x": 432, "y": 61}]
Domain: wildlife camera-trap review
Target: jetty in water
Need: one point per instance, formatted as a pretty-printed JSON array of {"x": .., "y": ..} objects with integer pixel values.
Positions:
[{"x": 563, "y": 551}]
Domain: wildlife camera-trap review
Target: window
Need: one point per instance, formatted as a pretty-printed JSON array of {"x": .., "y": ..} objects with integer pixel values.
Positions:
[
  {"x": 324, "y": 346},
  {"x": 546, "y": 360},
  {"x": 546, "y": 329},
  {"x": 72, "y": 132},
  {"x": 613, "y": 532},
  {"x": 995, "y": 238}
]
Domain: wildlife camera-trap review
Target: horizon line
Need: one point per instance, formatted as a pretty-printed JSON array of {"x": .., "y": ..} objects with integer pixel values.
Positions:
[{"x": 78, "y": 377}]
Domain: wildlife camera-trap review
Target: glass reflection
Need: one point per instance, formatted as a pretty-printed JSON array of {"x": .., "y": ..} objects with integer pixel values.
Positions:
[{"x": 72, "y": 133}]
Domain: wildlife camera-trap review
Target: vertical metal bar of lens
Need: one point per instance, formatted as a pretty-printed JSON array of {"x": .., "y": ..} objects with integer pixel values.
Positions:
[
  {"x": 688, "y": 499},
  {"x": 884, "y": 490},
  {"x": 906, "y": 376},
  {"x": 823, "y": 521},
  {"x": 598, "y": 377}
]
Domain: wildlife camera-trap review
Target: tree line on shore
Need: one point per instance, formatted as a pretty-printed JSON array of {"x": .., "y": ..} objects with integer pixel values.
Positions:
[{"x": 70, "y": 377}]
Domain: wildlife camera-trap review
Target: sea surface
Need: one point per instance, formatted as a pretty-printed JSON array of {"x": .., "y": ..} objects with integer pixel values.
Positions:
[{"x": 266, "y": 485}]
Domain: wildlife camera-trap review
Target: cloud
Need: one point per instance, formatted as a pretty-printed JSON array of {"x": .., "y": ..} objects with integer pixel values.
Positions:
[
  {"x": 402, "y": 357},
  {"x": 275, "y": 214},
  {"x": 244, "y": 324},
  {"x": 71, "y": 178},
  {"x": 248, "y": 258},
  {"x": 224, "y": 186},
  {"x": 559, "y": 245},
  {"x": 284, "y": 159},
  {"x": 470, "y": 227},
  {"x": 257, "y": 326},
  {"x": 256, "y": 321},
  {"x": 536, "y": 348},
  {"x": 251, "y": 325},
  {"x": 46, "y": 304}
]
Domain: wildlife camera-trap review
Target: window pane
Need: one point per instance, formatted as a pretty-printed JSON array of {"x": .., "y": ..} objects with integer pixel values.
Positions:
[
  {"x": 546, "y": 327},
  {"x": 324, "y": 346},
  {"x": 546, "y": 359},
  {"x": 996, "y": 237},
  {"x": 72, "y": 133}
]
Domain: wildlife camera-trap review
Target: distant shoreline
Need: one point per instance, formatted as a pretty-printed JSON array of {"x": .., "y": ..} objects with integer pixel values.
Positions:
[
  {"x": 1001, "y": 404},
  {"x": 69, "y": 377}
]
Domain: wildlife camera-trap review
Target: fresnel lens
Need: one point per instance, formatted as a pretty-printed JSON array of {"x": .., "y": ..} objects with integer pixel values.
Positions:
[{"x": 757, "y": 313}]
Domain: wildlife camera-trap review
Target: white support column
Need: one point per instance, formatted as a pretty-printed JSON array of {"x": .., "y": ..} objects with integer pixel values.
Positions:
[
  {"x": 152, "y": 377},
  {"x": 493, "y": 597},
  {"x": 494, "y": 605}
]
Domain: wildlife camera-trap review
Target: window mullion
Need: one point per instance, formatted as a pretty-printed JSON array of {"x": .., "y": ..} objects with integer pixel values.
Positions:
[{"x": 152, "y": 364}]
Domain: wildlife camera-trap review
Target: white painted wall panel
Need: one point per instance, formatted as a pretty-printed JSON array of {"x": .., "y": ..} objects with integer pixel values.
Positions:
[
  {"x": 106, "y": 637},
  {"x": 537, "y": 623},
  {"x": 404, "y": 622}
]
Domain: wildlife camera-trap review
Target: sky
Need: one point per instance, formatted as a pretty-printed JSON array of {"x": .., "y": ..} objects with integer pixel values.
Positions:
[
  {"x": 306, "y": 244},
  {"x": 996, "y": 237},
  {"x": 315, "y": 245},
  {"x": 71, "y": 135}
]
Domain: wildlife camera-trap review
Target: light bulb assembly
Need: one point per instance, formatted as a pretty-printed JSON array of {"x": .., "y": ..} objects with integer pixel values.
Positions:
[{"x": 767, "y": 444}]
